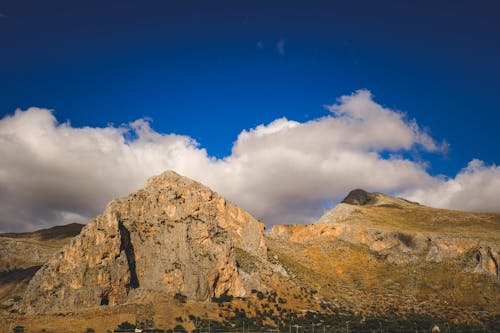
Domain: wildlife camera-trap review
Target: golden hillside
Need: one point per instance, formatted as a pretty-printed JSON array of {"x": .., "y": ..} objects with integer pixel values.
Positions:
[{"x": 372, "y": 262}]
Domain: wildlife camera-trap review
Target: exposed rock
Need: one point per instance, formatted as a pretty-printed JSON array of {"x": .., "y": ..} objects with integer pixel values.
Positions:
[
  {"x": 359, "y": 197},
  {"x": 381, "y": 255},
  {"x": 396, "y": 247},
  {"x": 16, "y": 253},
  {"x": 352, "y": 224},
  {"x": 173, "y": 236},
  {"x": 446, "y": 248},
  {"x": 22, "y": 254},
  {"x": 484, "y": 260},
  {"x": 339, "y": 213},
  {"x": 29, "y": 249}
]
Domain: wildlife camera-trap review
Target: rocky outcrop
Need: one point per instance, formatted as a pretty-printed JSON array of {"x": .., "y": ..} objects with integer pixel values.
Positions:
[
  {"x": 359, "y": 197},
  {"x": 351, "y": 223},
  {"x": 484, "y": 259},
  {"x": 173, "y": 236}
]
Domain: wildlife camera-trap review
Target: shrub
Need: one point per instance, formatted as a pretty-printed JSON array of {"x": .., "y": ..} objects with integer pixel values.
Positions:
[
  {"x": 89, "y": 330},
  {"x": 126, "y": 326},
  {"x": 180, "y": 328},
  {"x": 260, "y": 295},
  {"x": 222, "y": 298}
]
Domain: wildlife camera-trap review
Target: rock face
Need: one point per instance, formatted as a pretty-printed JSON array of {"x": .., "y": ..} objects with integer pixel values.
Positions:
[
  {"x": 359, "y": 197},
  {"x": 173, "y": 236}
]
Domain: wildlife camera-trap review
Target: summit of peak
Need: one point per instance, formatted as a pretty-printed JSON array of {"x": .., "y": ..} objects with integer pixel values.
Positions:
[
  {"x": 360, "y": 197},
  {"x": 169, "y": 177}
]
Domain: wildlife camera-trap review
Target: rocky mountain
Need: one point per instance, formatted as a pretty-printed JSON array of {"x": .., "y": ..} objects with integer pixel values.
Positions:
[
  {"x": 178, "y": 253},
  {"x": 173, "y": 236}
]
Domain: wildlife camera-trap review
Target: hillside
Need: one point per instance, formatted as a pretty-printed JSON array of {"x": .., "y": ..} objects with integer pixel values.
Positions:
[
  {"x": 383, "y": 254},
  {"x": 22, "y": 254},
  {"x": 177, "y": 253}
]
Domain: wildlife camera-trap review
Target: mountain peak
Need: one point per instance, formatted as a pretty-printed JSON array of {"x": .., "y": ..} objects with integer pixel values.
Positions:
[
  {"x": 174, "y": 236},
  {"x": 360, "y": 197}
]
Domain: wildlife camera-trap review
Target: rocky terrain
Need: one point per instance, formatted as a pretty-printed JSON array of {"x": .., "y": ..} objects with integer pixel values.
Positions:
[
  {"x": 379, "y": 254},
  {"x": 173, "y": 236},
  {"x": 177, "y": 253},
  {"x": 375, "y": 221},
  {"x": 22, "y": 254}
]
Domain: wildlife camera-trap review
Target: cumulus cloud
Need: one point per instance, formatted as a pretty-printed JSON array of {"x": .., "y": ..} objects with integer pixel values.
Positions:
[
  {"x": 282, "y": 172},
  {"x": 476, "y": 187}
]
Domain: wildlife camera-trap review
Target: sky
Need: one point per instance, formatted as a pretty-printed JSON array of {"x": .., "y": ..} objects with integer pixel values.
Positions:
[{"x": 281, "y": 106}]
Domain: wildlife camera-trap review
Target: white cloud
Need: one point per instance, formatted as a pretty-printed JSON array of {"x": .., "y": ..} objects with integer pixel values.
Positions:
[
  {"x": 476, "y": 187},
  {"x": 282, "y": 172}
]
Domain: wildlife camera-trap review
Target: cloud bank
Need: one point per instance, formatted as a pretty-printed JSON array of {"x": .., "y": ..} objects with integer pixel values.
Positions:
[{"x": 282, "y": 172}]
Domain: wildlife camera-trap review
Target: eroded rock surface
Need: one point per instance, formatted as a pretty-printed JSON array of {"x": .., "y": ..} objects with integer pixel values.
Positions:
[
  {"x": 403, "y": 243},
  {"x": 173, "y": 236},
  {"x": 359, "y": 197}
]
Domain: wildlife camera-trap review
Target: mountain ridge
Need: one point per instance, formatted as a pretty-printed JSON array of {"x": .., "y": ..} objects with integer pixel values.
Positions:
[{"x": 177, "y": 244}]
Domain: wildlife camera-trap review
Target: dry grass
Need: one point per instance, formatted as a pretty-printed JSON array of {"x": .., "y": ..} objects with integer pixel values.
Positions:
[
  {"x": 18, "y": 267},
  {"x": 355, "y": 278},
  {"x": 397, "y": 214}
]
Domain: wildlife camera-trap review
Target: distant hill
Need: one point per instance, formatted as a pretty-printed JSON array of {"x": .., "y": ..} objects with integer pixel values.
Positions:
[
  {"x": 49, "y": 234},
  {"x": 22, "y": 254},
  {"x": 379, "y": 254},
  {"x": 177, "y": 253}
]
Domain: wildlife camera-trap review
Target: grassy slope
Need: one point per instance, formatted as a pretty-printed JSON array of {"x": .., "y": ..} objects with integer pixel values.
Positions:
[
  {"x": 400, "y": 215},
  {"x": 356, "y": 278}
]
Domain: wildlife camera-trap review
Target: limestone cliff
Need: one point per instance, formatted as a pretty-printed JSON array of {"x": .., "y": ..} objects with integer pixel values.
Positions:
[{"x": 173, "y": 236}]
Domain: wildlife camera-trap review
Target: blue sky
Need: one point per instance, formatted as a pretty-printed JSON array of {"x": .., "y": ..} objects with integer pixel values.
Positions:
[{"x": 210, "y": 69}]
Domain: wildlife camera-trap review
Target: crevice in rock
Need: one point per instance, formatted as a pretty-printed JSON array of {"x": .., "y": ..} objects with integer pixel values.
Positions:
[
  {"x": 216, "y": 281},
  {"x": 127, "y": 246},
  {"x": 104, "y": 299}
]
